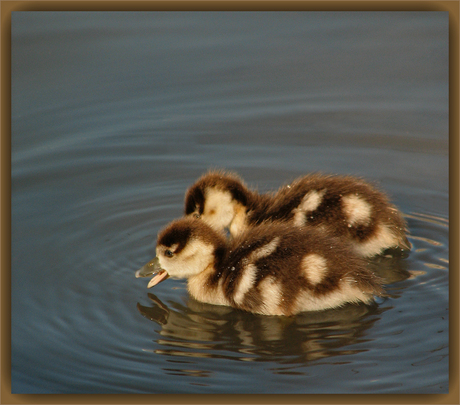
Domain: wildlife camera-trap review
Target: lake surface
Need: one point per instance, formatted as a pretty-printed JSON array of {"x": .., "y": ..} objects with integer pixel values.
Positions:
[{"x": 115, "y": 114}]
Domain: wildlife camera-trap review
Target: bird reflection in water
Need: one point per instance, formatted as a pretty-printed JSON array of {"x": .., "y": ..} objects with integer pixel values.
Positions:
[{"x": 197, "y": 329}]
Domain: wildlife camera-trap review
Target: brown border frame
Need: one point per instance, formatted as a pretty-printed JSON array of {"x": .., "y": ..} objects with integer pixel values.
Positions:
[{"x": 5, "y": 219}]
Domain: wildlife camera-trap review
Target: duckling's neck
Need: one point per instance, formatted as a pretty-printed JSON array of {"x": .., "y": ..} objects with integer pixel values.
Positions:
[
  {"x": 207, "y": 287},
  {"x": 239, "y": 221}
]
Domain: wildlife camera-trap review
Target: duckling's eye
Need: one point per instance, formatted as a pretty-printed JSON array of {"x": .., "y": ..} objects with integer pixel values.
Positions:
[
  {"x": 168, "y": 253},
  {"x": 196, "y": 215}
]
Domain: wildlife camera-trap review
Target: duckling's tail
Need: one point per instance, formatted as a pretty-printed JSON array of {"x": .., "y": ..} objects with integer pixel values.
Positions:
[
  {"x": 404, "y": 243},
  {"x": 369, "y": 283}
]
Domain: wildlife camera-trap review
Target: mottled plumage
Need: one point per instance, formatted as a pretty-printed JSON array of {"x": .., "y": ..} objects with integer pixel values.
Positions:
[
  {"x": 271, "y": 269},
  {"x": 345, "y": 206}
]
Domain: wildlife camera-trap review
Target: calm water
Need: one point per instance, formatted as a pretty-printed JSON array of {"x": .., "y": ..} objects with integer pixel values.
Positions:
[{"x": 114, "y": 115}]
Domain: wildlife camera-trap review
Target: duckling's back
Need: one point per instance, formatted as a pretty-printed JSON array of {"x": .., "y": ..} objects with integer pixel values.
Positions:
[
  {"x": 347, "y": 206},
  {"x": 277, "y": 269}
]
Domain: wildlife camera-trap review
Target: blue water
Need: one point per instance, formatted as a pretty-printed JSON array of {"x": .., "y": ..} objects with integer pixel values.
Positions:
[{"x": 114, "y": 115}]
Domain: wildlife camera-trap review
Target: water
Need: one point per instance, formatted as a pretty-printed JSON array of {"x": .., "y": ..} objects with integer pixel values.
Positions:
[{"x": 114, "y": 115}]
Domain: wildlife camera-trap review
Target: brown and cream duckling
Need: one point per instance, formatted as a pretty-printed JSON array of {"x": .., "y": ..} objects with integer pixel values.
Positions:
[
  {"x": 346, "y": 206},
  {"x": 271, "y": 269}
]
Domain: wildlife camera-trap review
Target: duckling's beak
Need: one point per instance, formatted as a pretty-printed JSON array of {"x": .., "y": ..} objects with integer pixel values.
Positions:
[
  {"x": 152, "y": 267},
  {"x": 161, "y": 276}
]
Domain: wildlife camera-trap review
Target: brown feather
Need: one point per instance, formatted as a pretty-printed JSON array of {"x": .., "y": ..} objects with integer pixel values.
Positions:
[{"x": 346, "y": 206}]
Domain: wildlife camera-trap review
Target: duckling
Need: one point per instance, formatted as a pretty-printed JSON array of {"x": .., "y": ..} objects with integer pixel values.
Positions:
[
  {"x": 346, "y": 206},
  {"x": 270, "y": 269}
]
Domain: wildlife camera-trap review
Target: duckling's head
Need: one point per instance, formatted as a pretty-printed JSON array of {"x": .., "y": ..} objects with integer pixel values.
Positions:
[
  {"x": 219, "y": 199},
  {"x": 185, "y": 248}
]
